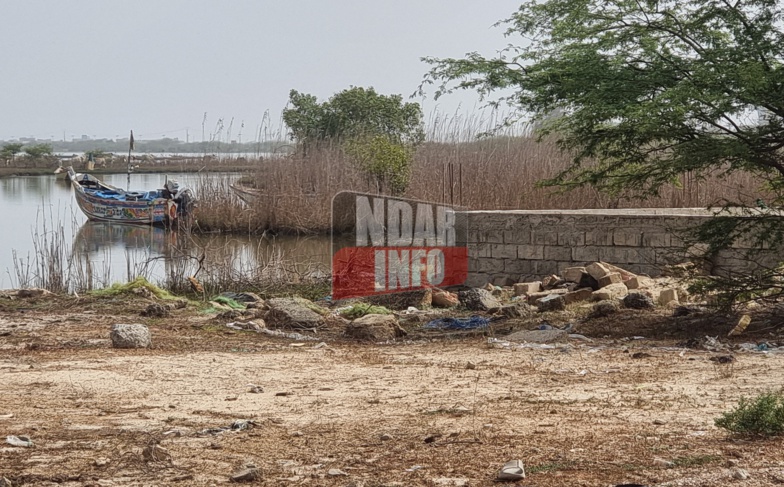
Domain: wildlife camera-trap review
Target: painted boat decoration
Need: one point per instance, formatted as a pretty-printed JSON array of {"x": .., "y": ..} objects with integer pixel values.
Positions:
[{"x": 103, "y": 202}]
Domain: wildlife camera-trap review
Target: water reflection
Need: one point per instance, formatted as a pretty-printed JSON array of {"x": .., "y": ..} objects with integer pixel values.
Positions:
[
  {"x": 35, "y": 208},
  {"x": 127, "y": 251}
]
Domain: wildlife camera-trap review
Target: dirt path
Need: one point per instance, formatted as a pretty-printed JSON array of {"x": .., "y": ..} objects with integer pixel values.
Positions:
[{"x": 587, "y": 414}]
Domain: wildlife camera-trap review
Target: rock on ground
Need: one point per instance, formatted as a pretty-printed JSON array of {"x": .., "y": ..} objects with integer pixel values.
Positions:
[
  {"x": 552, "y": 302},
  {"x": 445, "y": 299},
  {"x": 638, "y": 301},
  {"x": 478, "y": 300},
  {"x": 130, "y": 336},
  {"x": 156, "y": 310},
  {"x": 604, "y": 308},
  {"x": 292, "y": 313},
  {"x": 373, "y": 327}
]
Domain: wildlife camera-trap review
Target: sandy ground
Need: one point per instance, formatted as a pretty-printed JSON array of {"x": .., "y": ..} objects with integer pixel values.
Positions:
[{"x": 429, "y": 413}]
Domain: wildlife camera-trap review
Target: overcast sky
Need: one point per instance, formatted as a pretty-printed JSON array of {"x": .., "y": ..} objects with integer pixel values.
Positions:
[{"x": 101, "y": 68}]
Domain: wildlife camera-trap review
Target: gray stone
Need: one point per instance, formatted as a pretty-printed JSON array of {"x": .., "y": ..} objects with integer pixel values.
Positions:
[
  {"x": 292, "y": 313},
  {"x": 538, "y": 336},
  {"x": 516, "y": 310},
  {"x": 373, "y": 327},
  {"x": 130, "y": 336},
  {"x": 155, "y": 310},
  {"x": 478, "y": 300},
  {"x": 638, "y": 301},
  {"x": 552, "y": 302},
  {"x": 246, "y": 475},
  {"x": 604, "y": 308}
]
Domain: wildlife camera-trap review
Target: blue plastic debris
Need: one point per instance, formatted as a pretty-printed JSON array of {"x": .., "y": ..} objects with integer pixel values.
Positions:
[{"x": 471, "y": 323}]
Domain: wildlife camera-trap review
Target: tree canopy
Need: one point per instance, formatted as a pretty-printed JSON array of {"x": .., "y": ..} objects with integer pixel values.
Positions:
[
  {"x": 377, "y": 132},
  {"x": 645, "y": 89},
  {"x": 354, "y": 112}
]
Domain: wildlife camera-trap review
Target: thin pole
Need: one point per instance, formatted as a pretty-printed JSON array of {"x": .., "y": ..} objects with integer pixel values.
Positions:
[{"x": 130, "y": 148}]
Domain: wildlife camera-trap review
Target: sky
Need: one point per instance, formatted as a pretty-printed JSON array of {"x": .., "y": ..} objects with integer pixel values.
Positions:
[{"x": 103, "y": 67}]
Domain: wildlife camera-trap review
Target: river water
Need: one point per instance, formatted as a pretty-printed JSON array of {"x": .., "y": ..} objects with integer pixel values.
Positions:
[{"x": 43, "y": 229}]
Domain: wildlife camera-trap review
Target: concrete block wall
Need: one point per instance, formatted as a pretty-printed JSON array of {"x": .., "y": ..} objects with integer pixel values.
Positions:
[{"x": 523, "y": 245}]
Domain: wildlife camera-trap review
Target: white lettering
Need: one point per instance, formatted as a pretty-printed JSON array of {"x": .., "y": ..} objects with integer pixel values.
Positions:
[
  {"x": 370, "y": 222},
  {"x": 399, "y": 264},
  {"x": 399, "y": 224}
]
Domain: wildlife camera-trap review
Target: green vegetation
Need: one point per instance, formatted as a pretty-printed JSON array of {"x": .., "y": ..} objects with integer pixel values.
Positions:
[
  {"x": 640, "y": 94},
  {"x": 761, "y": 416},
  {"x": 231, "y": 303},
  {"x": 361, "y": 309},
  {"x": 38, "y": 151},
  {"x": 385, "y": 163},
  {"x": 9, "y": 150},
  {"x": 133, "y": 287},
  {"x": 378, "y": 132}
]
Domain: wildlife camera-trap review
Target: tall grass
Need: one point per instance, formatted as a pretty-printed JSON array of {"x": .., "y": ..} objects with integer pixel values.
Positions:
[{"x": 455, "y": 167}]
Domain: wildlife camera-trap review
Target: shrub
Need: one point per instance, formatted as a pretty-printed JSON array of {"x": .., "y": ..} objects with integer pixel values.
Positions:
[
  {"x": 361, "y": 309},
  {"x": 761, "y": 416}
]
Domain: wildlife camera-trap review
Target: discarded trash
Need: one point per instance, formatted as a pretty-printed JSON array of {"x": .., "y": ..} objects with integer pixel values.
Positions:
[
  {"x": 498, "y": 343},
  {"x": 237, "y": 425},
  {"x": 7, "y": 416},
  {"x": 414, "y": 468},
  {"x": 249, "y": 326},
  {"x": 254, "y": 389},
  {"x": 410, "y": 311},
  {"x": 22, "y": 441},
  {"x": 743, "y": 322},
  {"x": 471, "y": 323},
  {"x": 511, "y": 471}
]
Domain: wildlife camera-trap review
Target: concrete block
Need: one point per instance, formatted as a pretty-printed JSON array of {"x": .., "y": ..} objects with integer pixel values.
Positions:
[
  {"x": 534, "y": 297},
  {"x": 544, "y": 267},
  {"x": 577, "y": 295},
  {"x": 557, "y": 253},
  {"x": 573, "y": 274},
  {"x": 503, "y": 251},
  {"x": 571, "y": 239},
  {"x": 655, "y": 239},
  {"x": 597, "y": 270},
  {"x": 478, "y": 250},
  {"x": 519, "y": 266},
  {"x": 585, "y": 254},
  {"x": 627, "y": 238},
  {"x": 526, "y": 288},
  {"x": 552, "y": 302},
  {"x": 517, "y": 236},
  {"x": 639, "y": 282},
  {"x": 667, "y": 296},
  {"x": 550, "y": 281},
  {"x": 610, "y": 278},
  {"x": 613, "y": 291},
  {"x": 490, "y": 266},
  {"x": 476, "y": 279},
  {"x": 540, "y": 237},
  {"x": 600, "y": 237},
  {"x": 532, "y": 252}
]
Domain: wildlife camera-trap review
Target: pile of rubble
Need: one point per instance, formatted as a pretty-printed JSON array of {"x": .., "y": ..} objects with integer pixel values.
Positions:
[{"x": 598, "y": 281}]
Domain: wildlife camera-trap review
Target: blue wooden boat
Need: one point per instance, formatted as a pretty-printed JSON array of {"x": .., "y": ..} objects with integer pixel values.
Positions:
[{"x": 103, "y": 202}]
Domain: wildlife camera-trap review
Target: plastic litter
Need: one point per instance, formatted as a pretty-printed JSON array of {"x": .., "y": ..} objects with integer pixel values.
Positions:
[
  {"x": 471, "y": 323},
  {"x": 237, "y": 425},
  {"x": 22, "y": 441}
]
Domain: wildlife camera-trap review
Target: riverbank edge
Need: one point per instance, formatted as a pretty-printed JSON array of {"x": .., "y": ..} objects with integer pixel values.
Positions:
[{"x": 16, "y": 171}]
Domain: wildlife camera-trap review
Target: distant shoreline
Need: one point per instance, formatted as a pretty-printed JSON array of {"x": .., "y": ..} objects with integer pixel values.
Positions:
[{"x": 11, "y": 171}]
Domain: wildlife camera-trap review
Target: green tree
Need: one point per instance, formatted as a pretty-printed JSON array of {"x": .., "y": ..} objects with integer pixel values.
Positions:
[
  {"x": 9, "y": 150},
  {"x": 38, "y": 151},
  {"x": 387, "y": 164},
  {"x": 352, "y": 113},
  {"x": 379, "y": 132},
  {"x": 646, "y": 90}
]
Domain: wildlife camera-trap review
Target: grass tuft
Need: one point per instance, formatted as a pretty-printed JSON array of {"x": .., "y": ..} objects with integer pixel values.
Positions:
[{"x": 761, "y": 416}]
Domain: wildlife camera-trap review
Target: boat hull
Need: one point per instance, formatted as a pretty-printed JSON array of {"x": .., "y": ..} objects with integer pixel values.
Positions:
[{"x": 120, "y": 208}]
